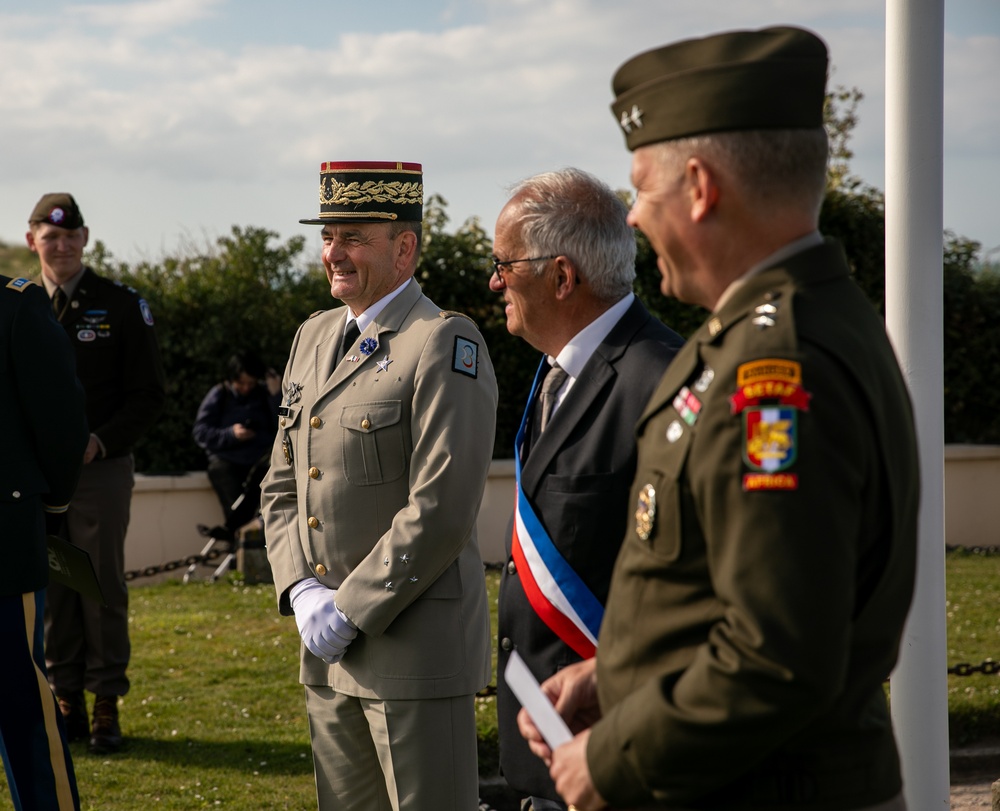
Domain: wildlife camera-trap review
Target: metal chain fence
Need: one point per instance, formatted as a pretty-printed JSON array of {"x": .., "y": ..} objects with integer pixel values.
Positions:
[{"x": 988, "y": 667}]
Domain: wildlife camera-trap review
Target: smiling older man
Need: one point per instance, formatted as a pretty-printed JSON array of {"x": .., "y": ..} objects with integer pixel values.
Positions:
[{"x": 385, "y": 435}]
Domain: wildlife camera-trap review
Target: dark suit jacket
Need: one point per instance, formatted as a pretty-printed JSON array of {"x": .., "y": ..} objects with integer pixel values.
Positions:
[
  {"x": 577, "y": 477},
  {"x": 41, "y": 407},
  {"x": 753, "y": 617}
]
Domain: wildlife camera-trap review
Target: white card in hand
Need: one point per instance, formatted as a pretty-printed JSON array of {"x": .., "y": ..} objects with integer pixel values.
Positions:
[{"x": 526, "y": 688}]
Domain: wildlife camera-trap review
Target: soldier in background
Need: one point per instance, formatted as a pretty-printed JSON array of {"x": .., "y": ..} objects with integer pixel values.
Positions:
[{"x": 118, "y": 362}]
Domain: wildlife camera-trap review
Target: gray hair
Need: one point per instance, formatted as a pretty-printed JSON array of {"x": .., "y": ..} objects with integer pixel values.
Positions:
[
  {"x": 772, "y": 167},
  {"x": 572, "y": 213}
]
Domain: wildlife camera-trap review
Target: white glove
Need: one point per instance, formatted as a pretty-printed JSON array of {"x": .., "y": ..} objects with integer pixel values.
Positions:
[{"x": 324, "y": 628}]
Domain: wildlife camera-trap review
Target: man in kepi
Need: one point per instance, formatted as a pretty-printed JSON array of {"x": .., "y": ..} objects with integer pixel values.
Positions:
[
  {"x": 118, "y": 361},
  {"x": 385, "y": 434},
  {"x": 41, "y": 402},
  {"x": 564, "y": 260},
  {"x": 758, "y": 601}
]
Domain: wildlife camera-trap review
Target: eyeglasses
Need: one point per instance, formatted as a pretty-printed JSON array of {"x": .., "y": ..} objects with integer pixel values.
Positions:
[{"x": 497, "y": 266}]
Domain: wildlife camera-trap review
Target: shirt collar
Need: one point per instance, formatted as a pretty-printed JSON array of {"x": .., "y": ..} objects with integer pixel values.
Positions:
[
  {"x": 577, "y": 352},
  {"x": 375, "y": 309}
]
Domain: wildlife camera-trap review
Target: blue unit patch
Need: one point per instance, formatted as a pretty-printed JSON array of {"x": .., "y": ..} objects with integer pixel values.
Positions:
[{"x": 466, "y": 357}]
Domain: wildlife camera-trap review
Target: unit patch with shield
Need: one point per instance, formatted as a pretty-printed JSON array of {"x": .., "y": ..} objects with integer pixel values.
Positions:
[{"x": 770, "y": 397}]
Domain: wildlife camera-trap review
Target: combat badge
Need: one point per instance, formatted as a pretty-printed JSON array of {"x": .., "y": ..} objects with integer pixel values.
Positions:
[
  {"x": 645, "y": 512},
  {"x": 465, "y": 359},
  {"x": 770, "y": 397}
]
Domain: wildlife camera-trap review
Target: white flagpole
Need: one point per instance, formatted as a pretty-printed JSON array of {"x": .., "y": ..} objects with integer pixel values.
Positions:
[{"x": 914, "y": 319}]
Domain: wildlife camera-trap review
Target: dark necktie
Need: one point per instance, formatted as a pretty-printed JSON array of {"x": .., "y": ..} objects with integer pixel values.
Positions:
[
  {"x": 350, "y": 336},
  {"x": 58, "y": 302}
]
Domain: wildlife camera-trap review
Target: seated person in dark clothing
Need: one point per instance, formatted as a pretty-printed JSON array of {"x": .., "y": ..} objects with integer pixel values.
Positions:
[{"x": 236, "y": 424}]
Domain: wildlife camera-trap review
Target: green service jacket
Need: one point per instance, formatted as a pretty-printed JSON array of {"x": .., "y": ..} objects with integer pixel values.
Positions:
[
  {"x": 759, "y": 598},
  {"x": 379, "y": 492}
]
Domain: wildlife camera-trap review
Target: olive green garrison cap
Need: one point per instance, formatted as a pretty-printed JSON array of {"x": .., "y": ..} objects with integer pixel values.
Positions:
[{"x": 772, "y": 78}]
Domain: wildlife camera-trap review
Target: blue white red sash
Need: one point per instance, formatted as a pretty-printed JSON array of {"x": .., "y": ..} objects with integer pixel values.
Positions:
[{"x": 557, "y": 593}]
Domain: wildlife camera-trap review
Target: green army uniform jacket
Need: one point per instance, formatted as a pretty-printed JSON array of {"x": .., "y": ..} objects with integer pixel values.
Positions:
[{"x": 759, "y": 598}]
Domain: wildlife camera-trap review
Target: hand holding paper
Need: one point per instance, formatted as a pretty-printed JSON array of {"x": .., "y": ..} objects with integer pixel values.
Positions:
[{"x": 523, "y": 685}]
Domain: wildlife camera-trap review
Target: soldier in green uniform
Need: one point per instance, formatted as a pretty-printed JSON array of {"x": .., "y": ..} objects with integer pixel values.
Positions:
[{"x": 759, "y": 598}]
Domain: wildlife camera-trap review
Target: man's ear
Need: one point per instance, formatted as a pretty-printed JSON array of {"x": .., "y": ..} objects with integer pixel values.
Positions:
[
  {"x": 405, "y": 248},
  {"x": 29, "y": 237},
  {"x": 567, "y": 277},
  {"x": 702, "y": 187},
  {"x": 86, "y": 236}
]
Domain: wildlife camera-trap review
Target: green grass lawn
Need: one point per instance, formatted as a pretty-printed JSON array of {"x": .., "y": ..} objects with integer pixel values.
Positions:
[{"x": 216, "y": 719}]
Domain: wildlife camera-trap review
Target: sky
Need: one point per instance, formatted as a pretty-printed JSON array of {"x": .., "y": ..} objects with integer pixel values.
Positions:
[{"x": 170, "y": 121}]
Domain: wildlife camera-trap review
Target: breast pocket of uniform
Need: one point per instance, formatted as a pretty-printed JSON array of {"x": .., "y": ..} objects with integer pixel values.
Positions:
[
  {"x": 657, "y": 511},
  {"x": 374, "y": 449}
]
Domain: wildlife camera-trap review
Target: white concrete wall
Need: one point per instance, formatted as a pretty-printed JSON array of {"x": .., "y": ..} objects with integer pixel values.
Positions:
[
  {"x": 972, "y": 495},
  {"x": 166, "y": 510}
]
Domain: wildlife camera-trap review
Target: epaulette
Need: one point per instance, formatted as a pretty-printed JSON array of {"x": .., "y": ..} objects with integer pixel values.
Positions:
[
  {"x": 20, "y": 284},
  {"x": 313, "y": 315},
  {"x": 453, "y": 313}
]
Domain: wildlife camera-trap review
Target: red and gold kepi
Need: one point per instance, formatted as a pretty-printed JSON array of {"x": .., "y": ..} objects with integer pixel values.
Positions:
[{"x": 369, "y": 191}]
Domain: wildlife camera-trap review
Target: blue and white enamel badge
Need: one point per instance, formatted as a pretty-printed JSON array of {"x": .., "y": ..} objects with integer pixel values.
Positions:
[
  {"x": 368, "y": 345},
  {"x": 465, "y": 359}
]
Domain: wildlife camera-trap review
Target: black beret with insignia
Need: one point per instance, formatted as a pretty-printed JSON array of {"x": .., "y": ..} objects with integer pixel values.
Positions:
[{"x": 773, "y": 78}]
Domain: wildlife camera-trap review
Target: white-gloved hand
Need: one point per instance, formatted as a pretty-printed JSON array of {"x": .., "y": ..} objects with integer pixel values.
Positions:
[{"x": 324, "y": 628}]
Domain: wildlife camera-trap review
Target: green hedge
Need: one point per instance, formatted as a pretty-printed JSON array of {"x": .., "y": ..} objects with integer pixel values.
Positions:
[{"x": 252, "y": 290}]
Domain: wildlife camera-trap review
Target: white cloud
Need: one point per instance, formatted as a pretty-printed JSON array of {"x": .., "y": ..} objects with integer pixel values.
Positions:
[{"x": 163, "y": 125}]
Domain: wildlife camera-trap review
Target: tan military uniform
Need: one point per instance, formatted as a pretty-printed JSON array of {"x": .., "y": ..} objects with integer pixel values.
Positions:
[{"x": 374, "y": 488}]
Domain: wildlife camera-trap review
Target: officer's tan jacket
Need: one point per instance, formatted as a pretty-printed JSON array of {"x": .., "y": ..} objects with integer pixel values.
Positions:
[{"x": 375, "y": 483}]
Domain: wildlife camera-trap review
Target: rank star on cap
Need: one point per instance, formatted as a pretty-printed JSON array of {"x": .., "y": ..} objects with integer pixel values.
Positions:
[{"x": 631, "y": 118}]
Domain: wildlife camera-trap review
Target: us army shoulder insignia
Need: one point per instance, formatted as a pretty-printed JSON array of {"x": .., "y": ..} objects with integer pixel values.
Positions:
[
  {"x": 770, "y": 397},
  {"x": 20, "y": 285}
]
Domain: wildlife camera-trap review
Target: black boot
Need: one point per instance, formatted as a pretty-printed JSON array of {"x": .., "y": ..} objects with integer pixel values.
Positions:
[
  {"x": 73, "y": 707},
  {"x": 105, "y": 733}
]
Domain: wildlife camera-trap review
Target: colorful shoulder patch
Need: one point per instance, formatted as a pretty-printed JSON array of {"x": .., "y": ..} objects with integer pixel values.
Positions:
[
  {"x": 20, "y": 285},
  {"x": 769, "y": 395},
  {"x": 465, "y": 358}
]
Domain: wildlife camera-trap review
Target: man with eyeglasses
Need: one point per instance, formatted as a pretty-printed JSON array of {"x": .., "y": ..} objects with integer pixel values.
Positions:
[
  {"x": 385, "y": 435},
  {"x": 565, "y": 262}
]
